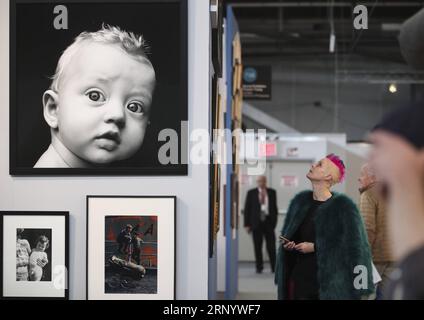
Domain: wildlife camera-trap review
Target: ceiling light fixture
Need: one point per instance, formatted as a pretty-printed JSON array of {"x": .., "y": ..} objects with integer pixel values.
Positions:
[{"x": 393, "y": 88}]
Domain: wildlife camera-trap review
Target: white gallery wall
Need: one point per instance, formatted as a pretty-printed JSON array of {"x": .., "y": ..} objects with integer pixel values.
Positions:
[{"x": 69, "y": 193}]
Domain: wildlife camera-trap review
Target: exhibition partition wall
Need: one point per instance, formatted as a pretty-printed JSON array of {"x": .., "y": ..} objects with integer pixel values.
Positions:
[
  {"x": 229, "y": 95},
  {"x": 232, "y": 66}
]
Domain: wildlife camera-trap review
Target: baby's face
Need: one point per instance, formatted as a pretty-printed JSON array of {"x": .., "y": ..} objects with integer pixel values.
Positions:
[
  {"x": 41, "y": 246},
  {"x": 104, "y": 101}
]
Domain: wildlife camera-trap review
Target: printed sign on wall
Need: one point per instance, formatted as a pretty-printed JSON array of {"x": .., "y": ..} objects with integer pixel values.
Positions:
[
  {"x": 289, "y": 181},
  {"x": 257, "y": 81}
]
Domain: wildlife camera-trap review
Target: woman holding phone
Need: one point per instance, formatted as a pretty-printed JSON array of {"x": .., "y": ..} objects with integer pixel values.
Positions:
[{"x": 324, "y": 252}]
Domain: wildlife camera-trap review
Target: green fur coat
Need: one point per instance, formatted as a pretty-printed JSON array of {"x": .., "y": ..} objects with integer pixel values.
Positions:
[{"x": 341, "y": 244}]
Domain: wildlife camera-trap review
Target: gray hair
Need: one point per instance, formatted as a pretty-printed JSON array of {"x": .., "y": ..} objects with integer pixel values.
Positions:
[
  {"x": 130, "y": 42},
  {"x": 369, "y": 170}
]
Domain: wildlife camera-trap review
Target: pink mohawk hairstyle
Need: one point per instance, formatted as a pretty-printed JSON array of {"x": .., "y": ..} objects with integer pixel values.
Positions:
[{"x": 339, "y": 164}]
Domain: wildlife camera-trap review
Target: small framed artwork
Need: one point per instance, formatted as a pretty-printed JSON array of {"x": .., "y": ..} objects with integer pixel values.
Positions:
[
  {"x": 34, "y": 255},
  {"x": 131, "y": 247},
  {"x": 235, "y": 200},
  {"x": 103, "y": 91},
  {"x": 217, "y": 32},
  {"x": 214, "y": 220}
]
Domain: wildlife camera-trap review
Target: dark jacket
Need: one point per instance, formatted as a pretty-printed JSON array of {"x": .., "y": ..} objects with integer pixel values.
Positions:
[
  {"x": 252, "y": 208},
  {"x": 341, "y": 245},
  {"x": 407, "y": 281}
]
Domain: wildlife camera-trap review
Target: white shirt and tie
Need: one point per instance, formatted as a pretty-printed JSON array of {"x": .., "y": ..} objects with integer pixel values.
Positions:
[{"x": 263, "y": 201}]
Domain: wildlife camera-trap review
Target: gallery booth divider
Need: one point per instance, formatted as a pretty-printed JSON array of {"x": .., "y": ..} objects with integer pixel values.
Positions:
[
  {"x": 231, "y": 262},
  {"x": 223, "y": 265}
]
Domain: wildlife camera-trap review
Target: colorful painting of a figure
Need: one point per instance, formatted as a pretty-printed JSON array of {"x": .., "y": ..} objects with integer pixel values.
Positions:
[{"x": 131, "y": 255}]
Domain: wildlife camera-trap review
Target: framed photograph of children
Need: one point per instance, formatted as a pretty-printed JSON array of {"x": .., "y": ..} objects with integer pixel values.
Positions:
[
  {"x": 131, "y": 247},
  {"x": 98, "y": 87},
  {"x": 34, "y": 255}
]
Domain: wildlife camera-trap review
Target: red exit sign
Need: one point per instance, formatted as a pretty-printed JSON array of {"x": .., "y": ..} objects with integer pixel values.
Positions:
[{"x": 268, "y": 149}]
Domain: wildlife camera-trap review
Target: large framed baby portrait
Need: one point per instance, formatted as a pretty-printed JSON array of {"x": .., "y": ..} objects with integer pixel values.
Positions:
[
  {"x": 98, "y": 87},
  {"x": 131, "y": 247},
  {"x": 34, "y": 255}
]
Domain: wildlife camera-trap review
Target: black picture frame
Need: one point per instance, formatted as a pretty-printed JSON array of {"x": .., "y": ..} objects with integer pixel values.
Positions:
[
  {"x": 29, "y": 217},
  {"x": 217, "y": 33},
  {"x": 111, "y": 210},
  {"x": 33, "y": 60}
]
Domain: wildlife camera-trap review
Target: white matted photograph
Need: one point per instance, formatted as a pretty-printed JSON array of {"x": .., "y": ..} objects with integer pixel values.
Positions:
[
  {"x": 34, "y": 255},
  {"x": 131, "y": 247}
]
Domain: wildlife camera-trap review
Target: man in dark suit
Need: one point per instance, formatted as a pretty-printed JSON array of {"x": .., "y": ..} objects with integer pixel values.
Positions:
[{"x": 260, "y": 219}]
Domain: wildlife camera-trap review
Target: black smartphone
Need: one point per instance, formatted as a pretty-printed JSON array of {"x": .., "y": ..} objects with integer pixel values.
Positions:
[{"x": 284, "y": 239}]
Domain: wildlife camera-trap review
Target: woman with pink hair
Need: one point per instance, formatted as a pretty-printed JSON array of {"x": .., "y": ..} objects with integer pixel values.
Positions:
[{"x": 324, "y": 252}]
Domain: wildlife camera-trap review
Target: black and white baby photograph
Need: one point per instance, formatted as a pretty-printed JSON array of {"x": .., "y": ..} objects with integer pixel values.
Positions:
[
  {"x": 33, "y": 254},
  {"x": 93, "y": 85}
]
